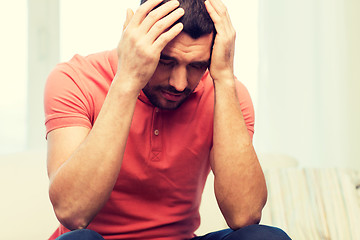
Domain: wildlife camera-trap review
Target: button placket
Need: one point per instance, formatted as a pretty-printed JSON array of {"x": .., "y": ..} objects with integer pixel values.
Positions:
[{"x": 156, "y": 139}]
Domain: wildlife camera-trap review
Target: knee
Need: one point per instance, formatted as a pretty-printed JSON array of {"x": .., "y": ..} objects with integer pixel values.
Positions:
[
  {"x": 260, "y": 232},
  {"x": 82, "y": 234}
]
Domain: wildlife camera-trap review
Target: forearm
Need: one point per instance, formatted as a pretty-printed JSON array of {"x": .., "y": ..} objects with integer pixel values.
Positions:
[
  {"x": 83, "y": 184},
  {"x": 239, "y": 181}
]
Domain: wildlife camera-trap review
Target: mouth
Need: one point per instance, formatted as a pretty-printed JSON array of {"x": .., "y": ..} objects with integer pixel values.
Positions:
[{"x": 173, "y": 97}]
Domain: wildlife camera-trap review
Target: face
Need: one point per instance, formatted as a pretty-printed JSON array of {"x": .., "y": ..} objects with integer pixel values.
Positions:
[{"x": 182, "y": 64}]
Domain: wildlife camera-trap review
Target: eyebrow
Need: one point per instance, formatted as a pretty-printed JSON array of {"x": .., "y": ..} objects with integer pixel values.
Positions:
[{"x": 202, "y": 63}]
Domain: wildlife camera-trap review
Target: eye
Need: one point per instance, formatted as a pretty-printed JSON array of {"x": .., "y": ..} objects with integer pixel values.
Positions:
[
  {"x": 198, "y": 66},
  {"x": 166, "y": 62}
]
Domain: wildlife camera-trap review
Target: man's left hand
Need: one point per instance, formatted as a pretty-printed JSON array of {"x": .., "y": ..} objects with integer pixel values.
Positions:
[{"x": 222, "y": 59}]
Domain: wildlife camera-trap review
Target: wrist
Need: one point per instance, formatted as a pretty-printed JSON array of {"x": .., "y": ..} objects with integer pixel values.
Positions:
[
  {"x": 125, "y": 85},
  {"x": 225, "y": 81},
  {"x": 222, "y": 75}
]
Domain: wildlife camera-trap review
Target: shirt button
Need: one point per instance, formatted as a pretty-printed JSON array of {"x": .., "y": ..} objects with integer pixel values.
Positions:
[
  {"x": 157, "y": 110},
  {"x": 156, "y": 132}
]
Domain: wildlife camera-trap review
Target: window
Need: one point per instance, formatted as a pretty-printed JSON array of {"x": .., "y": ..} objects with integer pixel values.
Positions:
[{"x": 13, "y": 62}]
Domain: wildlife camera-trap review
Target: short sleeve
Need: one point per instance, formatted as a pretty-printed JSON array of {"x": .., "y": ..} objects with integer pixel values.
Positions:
[
  {"x": 247, "y": 107},
  {"x": 65, "y": 101}
]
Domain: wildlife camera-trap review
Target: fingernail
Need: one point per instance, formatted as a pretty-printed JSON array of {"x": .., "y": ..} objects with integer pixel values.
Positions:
[
  {"x": 180, "y": 10},
  {"x": 176, "y": 2},
  {"x": 179, "y": 26}
]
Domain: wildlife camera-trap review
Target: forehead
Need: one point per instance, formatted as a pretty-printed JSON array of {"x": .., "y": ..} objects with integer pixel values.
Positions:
[{"x": 185, "y": 48}]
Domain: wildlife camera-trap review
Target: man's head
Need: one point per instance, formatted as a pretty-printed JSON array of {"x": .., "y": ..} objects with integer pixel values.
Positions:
[
  {"x": 184, "y": 60},
  {"x": 196, "y": 20}
]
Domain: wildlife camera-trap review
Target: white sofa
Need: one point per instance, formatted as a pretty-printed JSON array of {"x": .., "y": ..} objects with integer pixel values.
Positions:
[{"x": 26, "y": 212}]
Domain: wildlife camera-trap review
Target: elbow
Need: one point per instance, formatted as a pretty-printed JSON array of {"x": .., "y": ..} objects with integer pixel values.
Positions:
[
  {"x": 242, "y": 220},
  {"x": 71, "y": 220},
  {"x": 68, "y": 214},
  {"x": 245, "y": 215}
]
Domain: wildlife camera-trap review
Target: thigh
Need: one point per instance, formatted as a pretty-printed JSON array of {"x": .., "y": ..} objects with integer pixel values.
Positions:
[
  {"x": 83, "y": 234},
  {"x": 253, "y": 232}
]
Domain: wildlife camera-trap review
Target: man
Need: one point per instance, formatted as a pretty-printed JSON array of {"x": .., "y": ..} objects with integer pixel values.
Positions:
[{"x": 132, "y": 133}]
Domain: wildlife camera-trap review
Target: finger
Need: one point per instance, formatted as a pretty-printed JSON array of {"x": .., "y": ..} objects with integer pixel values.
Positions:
[
  {"x": 221, "y": 10},
  {"x": 220, "y": 16},
  {"x": 158, "y": 13},
  {"x": 164, "y": 24},
  {"x": 168, "y": 36},
  {"x": 212, "y": 12},
  {"x": 144, "y": 10},
  {"x": 129, "y": 15},
  {"x": 219, "y": 6}
]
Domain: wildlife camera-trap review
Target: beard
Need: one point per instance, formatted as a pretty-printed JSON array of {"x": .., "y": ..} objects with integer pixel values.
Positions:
[{"x": 155, "y": 96}]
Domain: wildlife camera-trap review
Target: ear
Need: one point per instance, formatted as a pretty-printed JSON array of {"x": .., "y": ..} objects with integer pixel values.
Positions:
[{"x": 129, "y": 15}]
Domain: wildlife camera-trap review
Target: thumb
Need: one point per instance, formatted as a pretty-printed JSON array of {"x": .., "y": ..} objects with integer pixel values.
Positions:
[{"x": 129, "y": 15}]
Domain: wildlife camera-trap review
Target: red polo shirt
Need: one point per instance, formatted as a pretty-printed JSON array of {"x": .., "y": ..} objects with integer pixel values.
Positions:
[{"x": 166, "y": 161}]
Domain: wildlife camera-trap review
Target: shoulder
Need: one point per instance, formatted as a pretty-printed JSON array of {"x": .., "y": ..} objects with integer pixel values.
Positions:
[
  {"x": 84, "y": 73},
  {"x": 102, "y": 63},
  {"x": 247, "y": 107},
  {"x": 243, "y": 96},
  {"x": 74, "y": 90}
]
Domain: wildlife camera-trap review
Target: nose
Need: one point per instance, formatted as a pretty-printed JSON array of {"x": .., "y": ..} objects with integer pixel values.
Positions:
[{"x": 178, "y": 78}]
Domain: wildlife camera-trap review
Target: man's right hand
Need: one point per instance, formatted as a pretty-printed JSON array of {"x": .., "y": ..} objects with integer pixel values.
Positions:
[{"x": 145, "y": 35}]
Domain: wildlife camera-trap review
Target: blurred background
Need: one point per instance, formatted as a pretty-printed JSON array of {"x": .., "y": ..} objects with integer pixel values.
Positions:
[{"x": 300, "y": 61}]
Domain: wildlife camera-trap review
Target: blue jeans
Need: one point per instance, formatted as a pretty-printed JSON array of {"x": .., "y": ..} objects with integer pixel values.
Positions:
[{"x": 253, "y": 232}]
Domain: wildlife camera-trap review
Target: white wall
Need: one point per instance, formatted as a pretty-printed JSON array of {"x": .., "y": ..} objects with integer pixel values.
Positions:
[{"x": 308, "y": 82}]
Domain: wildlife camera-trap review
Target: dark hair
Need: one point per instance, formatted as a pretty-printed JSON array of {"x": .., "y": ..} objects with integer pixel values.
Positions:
[{"x": 196, "y": 20}]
